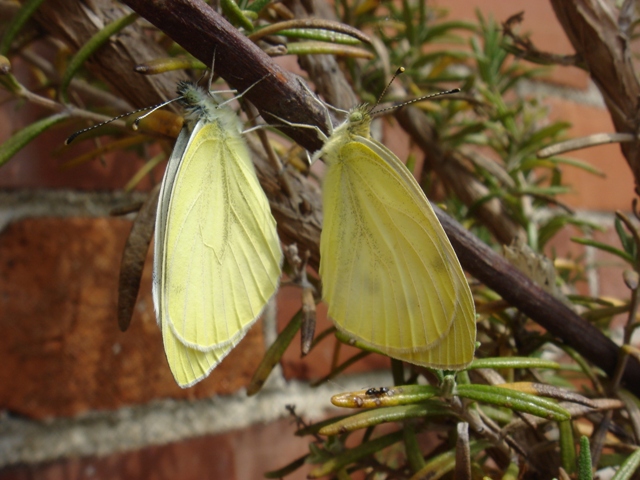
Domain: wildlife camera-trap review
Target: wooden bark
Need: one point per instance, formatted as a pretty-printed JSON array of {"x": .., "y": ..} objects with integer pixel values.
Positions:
[
  {"x": 521, "y": 292},
  {"x": 202, "y": 31},
  {"x": 595, "y": 33},
  {"x": 74, "y": 23}
]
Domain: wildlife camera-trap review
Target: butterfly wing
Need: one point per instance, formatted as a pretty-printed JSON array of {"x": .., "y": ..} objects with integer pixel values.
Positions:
[
  {"x": 190, "y": 365},
  {"x": 219, "y": 262},
  {"x": 455, "y": 350},
  {"x": 390, "y": 275}
]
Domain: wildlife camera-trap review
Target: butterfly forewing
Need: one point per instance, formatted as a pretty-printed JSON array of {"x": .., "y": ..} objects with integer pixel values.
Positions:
[
  {"x": 217, "y": 254},
  {"x": 218, "y": 226},
  {"x": 390, "y": 275},
  {"x": 387, "y": 258}
]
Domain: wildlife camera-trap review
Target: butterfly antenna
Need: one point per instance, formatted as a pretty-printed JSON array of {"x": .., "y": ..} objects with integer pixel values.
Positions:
[
  {"x": 73, "y": 136},
  {"x": 213, "y": 63},
  {"x": 136, "y": 122},
  {"x": 399, "y": 71},
  {"x": 419, "y": 99}
]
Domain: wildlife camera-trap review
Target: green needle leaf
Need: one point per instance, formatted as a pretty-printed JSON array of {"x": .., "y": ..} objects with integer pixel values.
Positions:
[
  {"x": 90, "y": 48},
  {"x": 21, "y": 138}
]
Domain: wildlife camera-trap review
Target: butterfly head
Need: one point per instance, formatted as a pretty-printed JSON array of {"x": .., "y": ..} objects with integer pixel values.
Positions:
[
  {"x": 192, "y": 97},
  {"x": 197, "y": 102},
  {"x": 359, "y": 121}
]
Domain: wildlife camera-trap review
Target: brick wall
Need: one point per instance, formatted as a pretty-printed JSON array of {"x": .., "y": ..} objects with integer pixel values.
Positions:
[{"x": 81, "y": 399}]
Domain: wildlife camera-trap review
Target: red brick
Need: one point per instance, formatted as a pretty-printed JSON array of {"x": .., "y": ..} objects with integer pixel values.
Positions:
[
  {"x": 608, "y": 268},
  {"x": 237, "y": 455},
  {"x": 61, "y": 351},
  {"x": 591, "y": 192},
  {"x": 539, "y": 21},
  {"x": 611, "y": 267},
  {"x": 40, "y": 163}
]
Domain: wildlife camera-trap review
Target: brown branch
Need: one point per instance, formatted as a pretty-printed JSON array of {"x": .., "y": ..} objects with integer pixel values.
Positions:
[
  {"x": 300, "y": 222},
  {"x": 499, "y": 275},
  {"x": 331, "y": 82},
  {"x": 75, "y": 23},
  {"x": 593, "y": 30},
  {"x": 328, "y": 78},
  {"x": 202, "y": 31},
  {"x": 523, "y": 47},
  {"x": 476, "y": 257}
]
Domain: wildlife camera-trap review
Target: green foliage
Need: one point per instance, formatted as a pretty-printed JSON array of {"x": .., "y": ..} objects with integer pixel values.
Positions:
[
  {"x": 584, "y": 460},
  {"x": 629, "y": 467},
  {"x": 23, "y": 137}
]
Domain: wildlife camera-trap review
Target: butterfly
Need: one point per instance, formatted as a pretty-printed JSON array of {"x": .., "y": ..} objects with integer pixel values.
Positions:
[
  {"x": 390, "y": 276},
  {"x": 217, "y": 255}
]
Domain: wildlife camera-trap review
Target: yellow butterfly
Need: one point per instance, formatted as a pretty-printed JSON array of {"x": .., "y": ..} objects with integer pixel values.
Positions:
[
  {"x": 390, "y": 275},
  {"x": 217, "y": 256}
]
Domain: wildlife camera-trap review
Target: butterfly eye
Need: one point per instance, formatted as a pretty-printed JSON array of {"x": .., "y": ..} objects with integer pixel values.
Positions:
[{"x": 355, "y": 117}]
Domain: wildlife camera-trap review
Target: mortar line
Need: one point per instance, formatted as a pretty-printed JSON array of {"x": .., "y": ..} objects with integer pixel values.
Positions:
[{"x": 167, "y": 421}]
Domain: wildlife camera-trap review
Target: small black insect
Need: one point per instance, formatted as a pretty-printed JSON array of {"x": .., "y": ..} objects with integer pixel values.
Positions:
[{"x": 377, "y": 392}]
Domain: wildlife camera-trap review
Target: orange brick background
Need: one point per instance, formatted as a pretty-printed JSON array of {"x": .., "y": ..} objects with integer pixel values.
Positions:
[{"x": 62, "y": 354}]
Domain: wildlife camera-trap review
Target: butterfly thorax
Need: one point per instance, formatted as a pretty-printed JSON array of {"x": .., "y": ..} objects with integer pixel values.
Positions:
[
  {"x": 202, "y": 105},
  {"x": 357, "y": 124}
]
